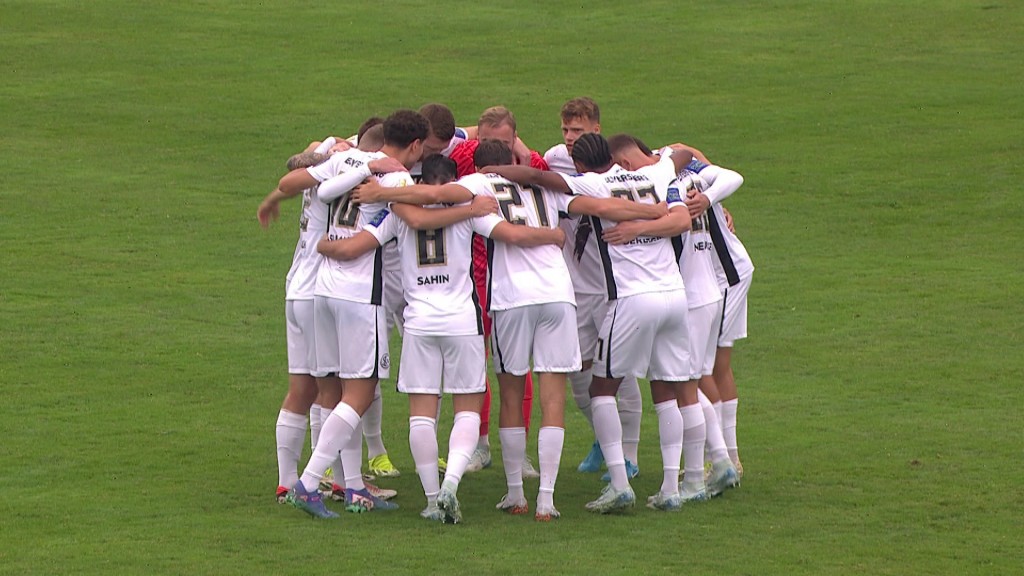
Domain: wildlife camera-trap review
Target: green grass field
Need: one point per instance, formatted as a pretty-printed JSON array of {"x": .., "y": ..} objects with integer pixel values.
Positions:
[{"x": 142, "y": 352}]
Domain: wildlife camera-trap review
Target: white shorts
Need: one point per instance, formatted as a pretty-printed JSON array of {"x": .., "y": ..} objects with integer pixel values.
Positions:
[
  {"x": 394, "y": 300},
  {"x": 301, "y": 337},
  {"x": 547, "y": 332},
  {"x": 351, "y": 339},
  {"x": 591, "y": 310},
  {"x": 645, "y": 335},
  {"x": 457, "y": 361},
  {"x": 734, "y": 317},
  {"x": 703, "y": 323}
]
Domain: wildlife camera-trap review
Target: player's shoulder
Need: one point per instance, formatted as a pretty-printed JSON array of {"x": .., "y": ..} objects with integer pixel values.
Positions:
[{"x": 396, "y": 179}]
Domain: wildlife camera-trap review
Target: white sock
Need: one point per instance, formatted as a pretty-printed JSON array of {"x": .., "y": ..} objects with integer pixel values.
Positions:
[
  {"x": 581, "y": 392},
  {"x": 718, "y": 411},
  {"x": 352, "y": 460},
  {"x": 609, "y": 434},
  {"x": 631, "y": 407},
  {"x": 315, "y": 422},
  {"x": 694, "y": 437},
  {"x": 423, "y": 443},
  {"x": 464, "y": 435},
  {"x": 291, "y": 435},
  {"x": 549, "y": 452},
  {"x": 729, "y": 428},
  {"x": 513, "y": 452},
  {"x": 715, "y": 442},
  {"x": 483, "y": 441},
  {"x": 338, "y": 429},
  {"x": 670, "y": 432},
  {"x": 372, "y": 420}
]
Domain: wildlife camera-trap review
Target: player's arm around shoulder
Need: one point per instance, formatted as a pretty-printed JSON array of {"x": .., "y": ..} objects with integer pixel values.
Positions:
[
  {"x": 526, "y": 236},
  {"x": 420, "y": 218},
  {"x": 348, "y": 248}
]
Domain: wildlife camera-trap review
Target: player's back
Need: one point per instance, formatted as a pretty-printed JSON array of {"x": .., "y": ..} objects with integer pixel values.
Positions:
[{"x": 523, "y": 276}]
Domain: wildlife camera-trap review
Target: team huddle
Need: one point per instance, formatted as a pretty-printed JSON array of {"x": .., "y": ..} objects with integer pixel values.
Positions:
[{"x": 599, "y": 263}]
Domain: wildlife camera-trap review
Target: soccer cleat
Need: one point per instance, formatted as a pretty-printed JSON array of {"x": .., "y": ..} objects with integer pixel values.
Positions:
[
  {"x": 632, "y": 471},
  {"x": 546, "y": 514},
  {"x": 723, "y": 476},
  {"x": 442, "y": 466},
  {"x": 692, "y": 492},
  {"x": 359, "y": 501},
  {"x": 612, "y": 500},
  {"x": 514, "y": 507},
  {"x": 282, "y": 494},
  {"x": 480, "y": 459},
  {"x": 528, "y": 470},
  {"x": 739, "y": 470},
  {"x": 448, "y": 502},
  {"x": 593, "y": 461},
  {"x": 335, "y": 494},
  {"x": 327, "y": 481},
  {"x": 432, "y": 512},
  {"x": 381, "y": 467},
  {"x": 309, "y": 502},
  {"x": 665, "y": 502},
  {"x": 382, "y": 493}
]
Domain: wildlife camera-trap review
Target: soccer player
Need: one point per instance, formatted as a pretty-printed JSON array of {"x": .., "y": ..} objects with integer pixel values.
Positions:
[
  {"x": 734, "y": 270},
  {"x": 443, "y": 324},
  {"x": 302, "y": 372},
  {"x": 582, "y": 116},
  {"x": 351, "y": 336},
  {"x": 704, "y": 299},
  {"x": 645, "y": 326},
  {"x": 497, "y": 123}
]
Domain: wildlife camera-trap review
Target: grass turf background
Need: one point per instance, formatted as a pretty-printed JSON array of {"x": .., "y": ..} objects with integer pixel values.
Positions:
[{"x": 142, "y": 331}]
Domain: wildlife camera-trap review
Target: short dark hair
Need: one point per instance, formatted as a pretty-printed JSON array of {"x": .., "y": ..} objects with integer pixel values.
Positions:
[
  {"x": 620, "y": 142},
  {"x": 582, "y": 107},
  {"x": 591, "y": 151},
  {"x": 404, "y": 127},
  {"x": 370, "y": 123},
  {"x": 438, "y": 169},
  {"x": 492, "y": 152},
  {"x": 372, "y": 139},
  {"x": 442, "y": 121}
]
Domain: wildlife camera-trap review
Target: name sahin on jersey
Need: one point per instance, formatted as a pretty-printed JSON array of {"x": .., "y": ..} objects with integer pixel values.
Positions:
[{"x": 431, "y": 280}]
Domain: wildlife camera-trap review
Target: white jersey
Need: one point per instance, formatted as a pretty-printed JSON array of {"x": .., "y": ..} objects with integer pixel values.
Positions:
[
  {"x": 580, "y": 251},
  {"x": 437, "y": 274},
  {"x": 647, "y": 264},
  {"x": 559, "y": 160},
  {"x": 361, "y": 279},
  {"x": 731, "y": 261},
  {"x": 301, "y": 279},
  {"x": 695, "y": 251},
  {"x": 523, "y": 276}
]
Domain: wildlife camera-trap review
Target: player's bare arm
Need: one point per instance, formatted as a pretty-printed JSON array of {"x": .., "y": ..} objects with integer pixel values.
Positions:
[
  {"x": 422, "y": 194},
  {"x": 527, "y": 236},
  {"x": 616, "y": 209},
  {"x": 269, "y": 209},
  {"x": 348, "y": 248},
  {"x": 696, "y": 153},
  {"x": 674, "y": 223},
  {"x": 420, "y": 218},
  {"x": 530, "y": 176},
  {"x": 346, "y": 182},
  {"x": 728, "y": 220}
]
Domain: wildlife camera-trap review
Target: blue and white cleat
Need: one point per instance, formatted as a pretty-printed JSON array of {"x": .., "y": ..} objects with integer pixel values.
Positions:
[
  {"x": 612, "y": 500},
  {"x": 433, "y": 513},
  {"x": 632, "y": 471},
  {"x": 360, "y": 501},
  {"x": 692, "y": 492},
  {"x": 448, "y": 502},
  {"x": 723, "y": 476},
  {"x": 309, "y": 502},
  {"x": 665, "y": 502},
  {"x": 593, "y": 461}
]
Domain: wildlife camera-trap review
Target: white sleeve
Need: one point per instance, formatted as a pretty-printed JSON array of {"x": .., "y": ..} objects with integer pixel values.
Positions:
[
  {"x": 583, "y": 185},
  {"x": 341, "y": 184},
  {"x": 557, "y": 200},
  {"x": 484, "y": 225},
  {"x": 383, "y": 227},
  {"x": 326, "y": 145},
  {"x": 722, "y": 182}
]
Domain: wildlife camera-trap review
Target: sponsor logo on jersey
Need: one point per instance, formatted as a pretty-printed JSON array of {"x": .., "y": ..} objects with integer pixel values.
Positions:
[{"x": 379, "y": 217}]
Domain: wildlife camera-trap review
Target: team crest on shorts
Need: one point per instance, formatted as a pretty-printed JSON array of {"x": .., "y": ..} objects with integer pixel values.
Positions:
[{"x": 385, "y": 362}]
